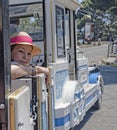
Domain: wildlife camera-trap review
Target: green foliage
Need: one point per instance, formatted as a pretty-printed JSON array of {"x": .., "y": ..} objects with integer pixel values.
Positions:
[
  {"x": 103, "y": 13},
  {"x": 113, "y": 10}
]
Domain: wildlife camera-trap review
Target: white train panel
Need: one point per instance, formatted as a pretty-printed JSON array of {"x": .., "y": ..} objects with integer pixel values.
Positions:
[{"x": 19, "y": 109}]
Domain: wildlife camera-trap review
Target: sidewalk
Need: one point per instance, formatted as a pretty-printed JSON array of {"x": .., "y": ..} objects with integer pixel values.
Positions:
[
  {"x": 112, "y": 60},
  {"x": 92, "y": 44}
]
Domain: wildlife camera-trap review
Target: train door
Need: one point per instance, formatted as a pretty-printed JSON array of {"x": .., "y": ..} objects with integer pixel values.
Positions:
[{"x": 28, "y": 16}]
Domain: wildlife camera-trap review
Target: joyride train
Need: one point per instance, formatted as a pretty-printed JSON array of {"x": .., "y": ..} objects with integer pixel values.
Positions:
[{"x": 27, "y": 103}]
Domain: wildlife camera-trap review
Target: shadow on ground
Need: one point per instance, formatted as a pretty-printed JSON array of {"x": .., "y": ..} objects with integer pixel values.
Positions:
[
  {"x": 85, "y": 120},
  {"x": 109, "y": 74}
]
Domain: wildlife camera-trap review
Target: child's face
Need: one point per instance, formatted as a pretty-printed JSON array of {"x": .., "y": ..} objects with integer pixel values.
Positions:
[{"x": 22, "y": 54}]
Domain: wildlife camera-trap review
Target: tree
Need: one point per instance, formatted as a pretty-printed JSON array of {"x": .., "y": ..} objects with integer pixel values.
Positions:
[{"x": 104, "y": 13}]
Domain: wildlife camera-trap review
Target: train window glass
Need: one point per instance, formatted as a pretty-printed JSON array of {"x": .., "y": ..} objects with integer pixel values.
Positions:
[
  {"x": 67, "y": 28},
  {"x": 30, "y": 20},
  {"x": 60, "y": 38}
]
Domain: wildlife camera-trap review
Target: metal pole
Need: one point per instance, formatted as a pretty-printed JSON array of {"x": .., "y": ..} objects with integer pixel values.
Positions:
[
  {"x": 108, "y": 50},
  {"x": 4, "y": 63},
  {"x": 111, "y": 47}
]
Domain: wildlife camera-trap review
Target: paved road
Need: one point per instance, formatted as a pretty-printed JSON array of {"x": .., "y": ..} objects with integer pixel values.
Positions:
[
  {"x": 96, "y": 53},
  {"x": 106, "y": 117}
]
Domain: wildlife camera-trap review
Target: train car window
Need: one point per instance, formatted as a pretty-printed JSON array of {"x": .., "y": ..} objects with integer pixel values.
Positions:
[
  {"x": 60, "y": 32},
  {"x": 28, "y": 18},
  {"x": 67, "y": 28}
]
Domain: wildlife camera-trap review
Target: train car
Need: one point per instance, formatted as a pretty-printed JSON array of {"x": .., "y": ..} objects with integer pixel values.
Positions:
[{"x": 73, "y": 90}]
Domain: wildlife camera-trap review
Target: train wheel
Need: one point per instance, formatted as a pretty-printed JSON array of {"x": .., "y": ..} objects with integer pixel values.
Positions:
[{"x": 98, "y": 104}]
